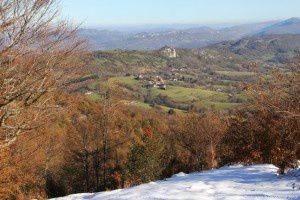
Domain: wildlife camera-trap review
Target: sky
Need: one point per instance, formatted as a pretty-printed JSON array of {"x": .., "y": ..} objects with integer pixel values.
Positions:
[{"x": 142, "y": 12}]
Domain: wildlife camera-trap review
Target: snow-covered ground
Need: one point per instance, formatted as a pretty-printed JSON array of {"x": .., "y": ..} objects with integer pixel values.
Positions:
[{"x": 234, "y": 182}]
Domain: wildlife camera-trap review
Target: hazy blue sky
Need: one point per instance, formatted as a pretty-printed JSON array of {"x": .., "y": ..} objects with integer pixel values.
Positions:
[{"x": 137, "y": 12}]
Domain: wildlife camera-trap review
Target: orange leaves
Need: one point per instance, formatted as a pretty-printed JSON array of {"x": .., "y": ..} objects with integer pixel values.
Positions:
[{"x": 148, "y": 132}]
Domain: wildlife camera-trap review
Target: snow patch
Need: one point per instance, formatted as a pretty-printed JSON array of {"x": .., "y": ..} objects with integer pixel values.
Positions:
[
  {"x": 181, "y": 174},
  {"x": 229, "y": 183},
  {"x": 294, "y": 172}
]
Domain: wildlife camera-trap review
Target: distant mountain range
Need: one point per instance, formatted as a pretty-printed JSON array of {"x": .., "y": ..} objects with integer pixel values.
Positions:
[{"x": 187, "y": 38}]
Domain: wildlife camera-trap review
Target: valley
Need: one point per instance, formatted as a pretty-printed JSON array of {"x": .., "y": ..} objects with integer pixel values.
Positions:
[{"x": 213, "y": 77}]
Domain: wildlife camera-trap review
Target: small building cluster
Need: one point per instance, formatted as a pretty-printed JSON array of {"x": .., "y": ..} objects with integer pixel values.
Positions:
[{"x": 152, "y": 81}]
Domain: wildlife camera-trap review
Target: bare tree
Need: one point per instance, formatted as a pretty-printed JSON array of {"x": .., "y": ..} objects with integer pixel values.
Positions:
[
  {"x": 200, "y": 134},
  {"x": 213, "y": 128},
  {"x": 35, "y": 52}
]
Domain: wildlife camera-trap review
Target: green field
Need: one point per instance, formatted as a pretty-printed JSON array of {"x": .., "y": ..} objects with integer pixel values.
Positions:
[
  {"x": 184, "y": 94},
  {"x": 94, "y": 97},
  {"x": 236, "y": 73},
  {"x": 198, "y": 96},
  {"x": 216, "y": 105},
  {"x": 127, "y": 80},
  {"x": 147, "y": 106},
  {"x": 93, "y": 85}
]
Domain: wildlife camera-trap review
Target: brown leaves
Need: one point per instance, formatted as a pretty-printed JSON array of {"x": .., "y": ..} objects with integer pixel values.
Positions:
[
  {"x": 200, "y": 134},
  {"x": 266, "y": 129},
  {"x": 35, "y": 56}
]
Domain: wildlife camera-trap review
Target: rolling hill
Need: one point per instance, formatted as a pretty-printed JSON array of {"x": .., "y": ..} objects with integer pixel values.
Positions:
[
  {"x": 290, "y": 26},
  {"x": 279, "y": 47}
]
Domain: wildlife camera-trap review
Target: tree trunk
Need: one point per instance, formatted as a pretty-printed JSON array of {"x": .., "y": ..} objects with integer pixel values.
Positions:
[
  {"x": 86, "y": 169},
  {"x": 105, "y": 139},
  {"x": 213, "y": 155},
  {"x": 97, "y": 169}
]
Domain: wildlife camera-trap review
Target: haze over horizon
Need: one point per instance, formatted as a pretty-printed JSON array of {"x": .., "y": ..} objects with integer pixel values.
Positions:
[{"x": 131, "y": 13}]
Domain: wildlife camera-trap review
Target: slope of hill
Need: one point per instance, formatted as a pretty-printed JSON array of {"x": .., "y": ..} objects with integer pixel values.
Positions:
[
  {"x": 290, "y": 26},
  {"x": 279, "y": 48},
  {"x": 240, "y": 31},
  {"x": 234, "y": 182}
]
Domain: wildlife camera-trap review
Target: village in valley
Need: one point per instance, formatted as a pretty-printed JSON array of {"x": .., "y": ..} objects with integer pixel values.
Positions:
[
  {"x": 160, "y": 81},
  {"x": 174, "y": 78}
]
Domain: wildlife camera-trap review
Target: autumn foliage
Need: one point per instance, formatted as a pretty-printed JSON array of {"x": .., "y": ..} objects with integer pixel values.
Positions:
[
  {"x": 266, "y": 130},
  {"x": 55, "y": 142}
]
